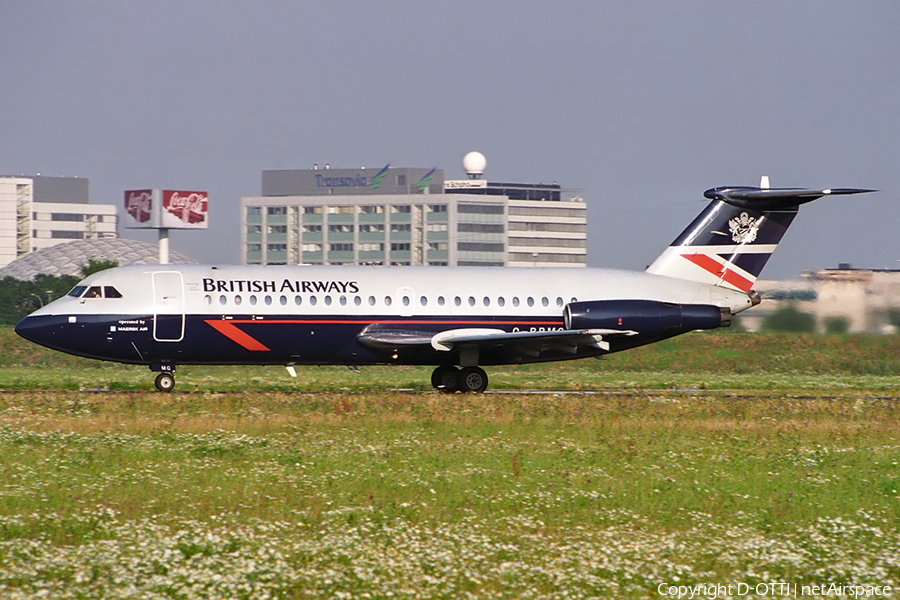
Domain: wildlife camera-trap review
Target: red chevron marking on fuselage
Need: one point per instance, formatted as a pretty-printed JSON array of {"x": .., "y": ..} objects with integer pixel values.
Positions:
[{"x": 711, "y": 265}]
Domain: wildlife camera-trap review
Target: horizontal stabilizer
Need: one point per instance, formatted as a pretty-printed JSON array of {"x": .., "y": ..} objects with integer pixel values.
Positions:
[{"x": 774, "y": 198}]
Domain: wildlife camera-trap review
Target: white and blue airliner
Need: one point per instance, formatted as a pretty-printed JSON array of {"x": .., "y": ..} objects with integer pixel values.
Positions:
[{"x": 457, "y": 319}]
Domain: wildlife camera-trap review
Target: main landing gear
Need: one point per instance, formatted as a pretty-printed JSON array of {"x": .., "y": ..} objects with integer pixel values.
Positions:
[{"x": 449, "y": 379}]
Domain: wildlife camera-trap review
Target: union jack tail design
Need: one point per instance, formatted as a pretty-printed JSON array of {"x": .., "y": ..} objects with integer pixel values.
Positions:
[{"x": 729, "y": 243}]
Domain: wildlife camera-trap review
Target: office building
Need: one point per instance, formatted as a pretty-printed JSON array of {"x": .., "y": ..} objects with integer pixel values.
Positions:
[
  {"x": 39, "y": 212},
  {"x": 409, "y": 216}
]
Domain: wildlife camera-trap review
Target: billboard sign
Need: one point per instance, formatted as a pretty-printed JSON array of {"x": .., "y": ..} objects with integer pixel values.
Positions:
[
  {"x": 184, "y": 210},
  {"x": 139, "y": 209},
  {"x": 166, "y": 209}
]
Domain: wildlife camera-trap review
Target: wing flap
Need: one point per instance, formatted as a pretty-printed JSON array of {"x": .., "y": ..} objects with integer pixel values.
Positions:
[{"x": 527, "y": 342}]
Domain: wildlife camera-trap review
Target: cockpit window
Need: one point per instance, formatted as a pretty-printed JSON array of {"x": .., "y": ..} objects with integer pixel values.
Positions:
[{"x": 95, "y": 291}]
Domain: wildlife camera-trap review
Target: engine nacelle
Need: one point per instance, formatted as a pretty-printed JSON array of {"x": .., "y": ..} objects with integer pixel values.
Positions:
[{"x": 647, "y": 317}]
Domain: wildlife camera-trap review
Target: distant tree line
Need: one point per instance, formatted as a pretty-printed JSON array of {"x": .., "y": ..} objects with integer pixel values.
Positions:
[
  {"x": 789, "y": 319},
  {"x": 18, "y": 298}
]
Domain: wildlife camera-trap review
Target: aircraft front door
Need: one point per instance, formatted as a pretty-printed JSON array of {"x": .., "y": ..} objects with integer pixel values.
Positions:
[{"x": 168, "y": 305}]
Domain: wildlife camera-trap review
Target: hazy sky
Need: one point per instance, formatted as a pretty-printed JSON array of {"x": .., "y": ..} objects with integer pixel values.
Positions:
[{"x": 641, "y": 105}]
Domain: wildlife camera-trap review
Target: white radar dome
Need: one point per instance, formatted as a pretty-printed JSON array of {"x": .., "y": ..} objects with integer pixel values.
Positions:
[{"x": 474, "y": 163}]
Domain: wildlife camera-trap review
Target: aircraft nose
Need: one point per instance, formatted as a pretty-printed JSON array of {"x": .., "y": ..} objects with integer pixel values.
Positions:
[
  {"x": 36, "y": 329},
  {"x": 26, "y": 329}
]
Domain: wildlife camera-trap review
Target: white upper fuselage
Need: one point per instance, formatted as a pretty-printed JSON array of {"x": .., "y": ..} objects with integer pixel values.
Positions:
[{"x": 382, "y": 291}]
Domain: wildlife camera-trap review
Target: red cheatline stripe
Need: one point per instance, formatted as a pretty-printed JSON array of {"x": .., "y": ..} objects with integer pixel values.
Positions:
[
  {"x": 227, "y": 329},
  {"x": 707, "y": 263},
  {"x": 364, "y": 321}
]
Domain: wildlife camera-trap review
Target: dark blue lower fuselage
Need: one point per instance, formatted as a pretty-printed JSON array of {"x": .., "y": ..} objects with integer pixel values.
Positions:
[{"x": 274, "y": 339}]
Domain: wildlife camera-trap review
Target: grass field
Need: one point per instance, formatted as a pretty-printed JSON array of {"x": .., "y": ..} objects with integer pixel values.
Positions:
[
  {"x": 703, "y": 360},
  {"x": 775, "y": 461}
]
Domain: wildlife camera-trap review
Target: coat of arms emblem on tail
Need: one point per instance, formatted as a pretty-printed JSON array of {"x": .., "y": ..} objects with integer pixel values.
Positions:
[{"x": 743, "y": 228}]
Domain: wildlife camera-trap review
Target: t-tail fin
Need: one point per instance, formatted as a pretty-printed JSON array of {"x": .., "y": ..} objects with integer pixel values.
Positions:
[{"x": 729, "y": 243}]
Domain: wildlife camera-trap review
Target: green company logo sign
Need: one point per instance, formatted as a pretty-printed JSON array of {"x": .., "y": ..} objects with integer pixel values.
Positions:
[
  {"x": 376, "y": 181},
  {"x": 423, "y": 183}
]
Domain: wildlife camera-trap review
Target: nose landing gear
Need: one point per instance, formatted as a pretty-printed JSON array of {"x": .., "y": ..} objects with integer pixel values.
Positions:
[{"x": 165, "y": 381}]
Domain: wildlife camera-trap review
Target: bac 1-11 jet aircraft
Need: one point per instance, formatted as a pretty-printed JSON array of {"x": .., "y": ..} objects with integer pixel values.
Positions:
[{"x": 457, "y": 319}]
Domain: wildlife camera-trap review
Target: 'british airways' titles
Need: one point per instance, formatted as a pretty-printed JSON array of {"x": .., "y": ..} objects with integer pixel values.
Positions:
[{"x": 286, "y": 285}]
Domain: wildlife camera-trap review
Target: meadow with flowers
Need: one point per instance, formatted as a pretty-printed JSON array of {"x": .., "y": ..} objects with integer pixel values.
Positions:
[{"x": 708, "y": 459}]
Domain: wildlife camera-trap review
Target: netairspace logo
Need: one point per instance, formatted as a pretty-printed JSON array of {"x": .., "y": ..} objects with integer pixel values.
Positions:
[{"x": 781, "y": 589}]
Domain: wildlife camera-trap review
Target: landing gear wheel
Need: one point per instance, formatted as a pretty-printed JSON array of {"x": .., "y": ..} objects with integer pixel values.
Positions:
[
  {"x": 165, "y": 382},
  {"x": 445, "y": 378},
  {"x": 473, "y": 379}
]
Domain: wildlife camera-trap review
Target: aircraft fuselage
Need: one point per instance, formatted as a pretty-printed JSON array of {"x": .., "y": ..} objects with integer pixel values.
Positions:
[{"x": 170, "y": 314}]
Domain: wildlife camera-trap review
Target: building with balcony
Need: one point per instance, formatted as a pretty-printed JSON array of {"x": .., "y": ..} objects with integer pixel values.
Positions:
[{"x": 40, "y": 212}]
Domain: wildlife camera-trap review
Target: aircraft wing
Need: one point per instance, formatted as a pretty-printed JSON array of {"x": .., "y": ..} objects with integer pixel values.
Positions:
[{"x": 526, "y": 342}]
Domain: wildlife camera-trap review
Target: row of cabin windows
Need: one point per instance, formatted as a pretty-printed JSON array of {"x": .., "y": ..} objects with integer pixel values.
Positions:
[
  {"x": 405, "y": 300},
  {"x": 108, "y": 291}
]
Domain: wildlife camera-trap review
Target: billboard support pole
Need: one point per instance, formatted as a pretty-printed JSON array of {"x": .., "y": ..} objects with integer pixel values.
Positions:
[{"x": 163, "y": 246}]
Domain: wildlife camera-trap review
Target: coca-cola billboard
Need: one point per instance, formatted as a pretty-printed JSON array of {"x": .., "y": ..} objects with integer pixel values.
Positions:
[
  {"x": 184, "y": 210},
  {"x": 141, "y": 209},
  {"x": 138, "y": 204},
  {"x": 166, "y": 209}
]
